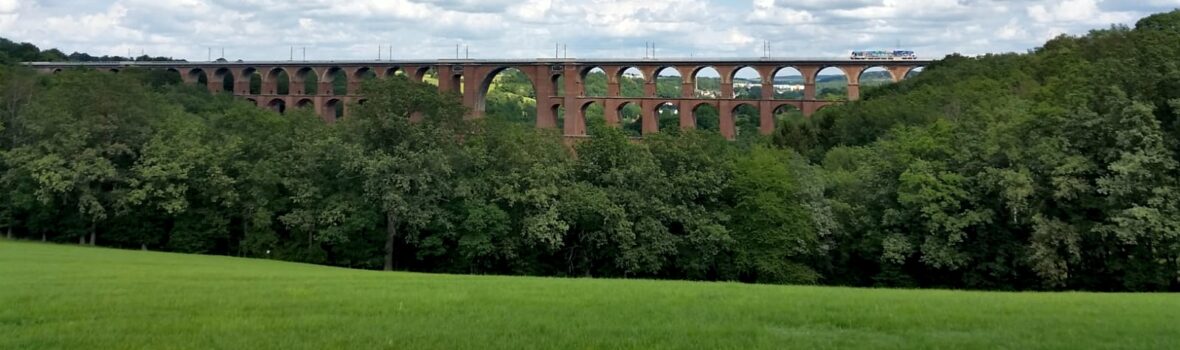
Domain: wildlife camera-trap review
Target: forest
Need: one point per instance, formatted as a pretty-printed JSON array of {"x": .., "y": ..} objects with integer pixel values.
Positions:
[{"x": 1054, "y": 169}]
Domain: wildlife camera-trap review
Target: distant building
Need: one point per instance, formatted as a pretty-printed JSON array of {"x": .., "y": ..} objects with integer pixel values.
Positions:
[{"x": 777, "y": 87}]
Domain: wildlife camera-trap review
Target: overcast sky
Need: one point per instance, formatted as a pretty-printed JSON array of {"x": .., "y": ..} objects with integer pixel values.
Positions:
[{"x": 343, "y": 29}]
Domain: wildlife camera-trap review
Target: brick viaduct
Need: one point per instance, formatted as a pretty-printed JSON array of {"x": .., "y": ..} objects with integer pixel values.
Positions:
[{"x": 472, "y": 79}]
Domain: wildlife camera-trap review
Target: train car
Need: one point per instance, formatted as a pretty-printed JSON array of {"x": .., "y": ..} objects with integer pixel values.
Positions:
[{"x": 884, "y": 55}]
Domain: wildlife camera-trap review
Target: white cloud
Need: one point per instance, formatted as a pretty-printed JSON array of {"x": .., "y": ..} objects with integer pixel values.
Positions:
[{"x": 333, "y": 29}]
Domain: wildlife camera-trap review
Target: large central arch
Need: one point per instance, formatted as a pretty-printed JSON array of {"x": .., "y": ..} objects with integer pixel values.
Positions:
[{"x": 506, "y": 82}]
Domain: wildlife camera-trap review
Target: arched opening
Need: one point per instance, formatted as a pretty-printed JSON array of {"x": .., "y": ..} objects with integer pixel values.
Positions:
[
  {"x": 558, "y": 81},
  {"x": 277, "y": 105},
  {"x": 594, "y": 82},
  {"x": 593, "y": 115},
  {"x": 788, "y": 113},
  {"x": 310, "y": 81},
  {"x": 788, "y": 84},
  {"x": 227, "y": 79},
  {"x": 362, "y": 75},
  {"x": 631, "y": 81},
  {"x": 508, "y": 94},
  {"x": 393, "y": 71},
  {"x": 794, "y": 130},
  {"x": 747, "y": 84},
  {"x": 873, "y": 77},
  {"x": 746, "y": 118},
  {"x": 305, "y": 103},
  {"x": 333, "y": 109},
  {"x": 114, "y": 70},
  {"x": 631, "y": 119},
  {"x": 164, "y": 77},
  {"x": 277, "y": 82},
  {"x": 198, "y": 75},
  {"x": 831, "y": 84},
  {"x": 58, "y": 70},
  {"x": 430, "y": 76},
  {"x": 913, "y": 72},
  {"x": 255, "y": 83},
  {"x": 707, "y": 83},
  {"x": 253, "y": 102},
  {"x": 337, "y": 79},
  {"x": 559, "y": 113},
  {"x": 667, "y": 117},
  {"x": 668, "y": 82},
  {"x": 707, "y": 118}
]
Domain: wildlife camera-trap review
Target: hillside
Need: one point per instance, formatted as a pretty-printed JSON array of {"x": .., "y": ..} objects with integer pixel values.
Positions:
[{"x": 55, "y": 296}]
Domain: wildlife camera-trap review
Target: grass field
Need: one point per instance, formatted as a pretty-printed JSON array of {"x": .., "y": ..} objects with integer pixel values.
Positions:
[{"x": 55, "y": 296}]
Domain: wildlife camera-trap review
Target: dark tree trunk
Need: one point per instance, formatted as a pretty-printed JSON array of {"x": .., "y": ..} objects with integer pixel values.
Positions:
[
  {"x": 43, "y": 238},
  {"x": 390, "y": 237},
  {"x": 93, "y": 233},
  {"x": 10, "y": 232}
]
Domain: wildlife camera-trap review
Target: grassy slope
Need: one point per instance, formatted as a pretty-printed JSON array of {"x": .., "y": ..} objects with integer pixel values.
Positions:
[{"x": 73, "y": 297}]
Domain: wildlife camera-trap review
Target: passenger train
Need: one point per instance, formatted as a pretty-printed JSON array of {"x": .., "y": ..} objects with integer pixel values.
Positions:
[{"x": 884, "y": 55}]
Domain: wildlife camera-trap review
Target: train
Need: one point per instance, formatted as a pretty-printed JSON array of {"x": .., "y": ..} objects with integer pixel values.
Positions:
[{"x": 884, "y": 55}]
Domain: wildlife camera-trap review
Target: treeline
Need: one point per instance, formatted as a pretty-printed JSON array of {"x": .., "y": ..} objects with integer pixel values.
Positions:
[
  {"x": 173, "y": 168},
  {"x": 12, "y": 52},
  {"x": 1051, "y": 170}
]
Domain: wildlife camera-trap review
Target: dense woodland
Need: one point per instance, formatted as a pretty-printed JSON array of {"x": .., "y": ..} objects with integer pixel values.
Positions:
[{"x": 1055, "y": 169}]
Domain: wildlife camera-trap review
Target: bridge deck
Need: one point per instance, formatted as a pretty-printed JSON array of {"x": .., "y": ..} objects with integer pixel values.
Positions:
[{"x": 545, "y": 61}]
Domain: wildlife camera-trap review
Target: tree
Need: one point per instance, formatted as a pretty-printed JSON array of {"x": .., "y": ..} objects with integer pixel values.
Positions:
[{"x": 405, "y": 168}]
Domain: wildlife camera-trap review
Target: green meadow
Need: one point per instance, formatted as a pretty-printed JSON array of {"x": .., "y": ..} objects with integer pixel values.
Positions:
[{"x": 56, "y": 296}]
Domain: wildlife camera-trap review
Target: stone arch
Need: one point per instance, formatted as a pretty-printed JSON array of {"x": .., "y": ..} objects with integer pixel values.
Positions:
[
  {"x": 872, "y": 76},
  {"x": 707, "y": 85},
  {"x": 558, "y": 113},
  {"x": 630, "y": 118},
  {"x": 57, "y": 70},
  {"x": 333, "y": 109},
  {"x": 421, "y": 73},
  {"x": 631, "y": 82},
  {"x": 788, "y": 83},
  {"x": 392, "y": 71},
  {"x": 305, "y": 103},
  {"x": 592, "y": 114},
  {"x": 276, "y": 82},
  {"x": 253, "y": 101},
  {"x": 363, "y": 73},
  {"x": 198, "y": 76},
  {"x": 278, "y": 105},
  {"x": 226, "y": 77},
  {"x": 245, "y": 78},
  {"x": 746, "y": 118},
  {"x": 667, "y": 116},
  {"x": 594, "y": 81},
  {"x": 787, "y": 113},
  {"x": 255, "y": 83},
  {"x": 833, "y": 85},
  {"x": 913, "y": 71},
  {"x": 747, "y": 83},
  {"x": 706, "y": 116},
  {"x": 529, "y": 114},
  {"x": 305, "y": 81},
  {"x": 336, "y": 79},
  {"x": 669, "y": 82}
]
